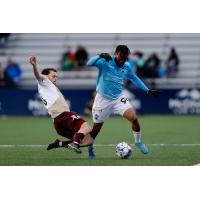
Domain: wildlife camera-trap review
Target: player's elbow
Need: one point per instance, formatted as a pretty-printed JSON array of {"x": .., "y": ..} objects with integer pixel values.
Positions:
[
  {"x": 39, "y": 78},
  {"x": 89, "y": 63},
  {"x": 92, "y": 61}
]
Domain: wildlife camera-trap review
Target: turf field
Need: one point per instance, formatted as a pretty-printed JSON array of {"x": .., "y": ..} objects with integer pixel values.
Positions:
[{"x": 172, "y": 140}]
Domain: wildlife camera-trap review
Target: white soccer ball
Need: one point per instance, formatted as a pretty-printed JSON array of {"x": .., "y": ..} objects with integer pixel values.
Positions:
[{"x": 123, "y": 150}]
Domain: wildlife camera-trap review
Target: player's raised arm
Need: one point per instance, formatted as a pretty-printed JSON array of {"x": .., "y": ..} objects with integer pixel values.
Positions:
[
  {"x": 93, "y": 61},
  {"x": 36, "y": 72},
  {"x": 98, "y": 60}
]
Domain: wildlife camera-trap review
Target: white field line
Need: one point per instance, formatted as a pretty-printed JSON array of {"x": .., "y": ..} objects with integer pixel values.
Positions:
[{"x": 97, "y": 145}]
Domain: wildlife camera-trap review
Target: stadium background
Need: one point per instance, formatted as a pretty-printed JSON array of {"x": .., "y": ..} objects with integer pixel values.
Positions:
[{"x": 170, "y": 124}]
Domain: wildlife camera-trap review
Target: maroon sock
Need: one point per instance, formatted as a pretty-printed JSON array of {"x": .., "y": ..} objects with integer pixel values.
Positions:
[
  {"x": 65, "y": 143},
  {"x": 78, "y": 137}
]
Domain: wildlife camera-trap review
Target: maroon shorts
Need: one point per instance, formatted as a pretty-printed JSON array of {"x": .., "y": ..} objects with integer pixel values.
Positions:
[{"x": 67, "y": 124}]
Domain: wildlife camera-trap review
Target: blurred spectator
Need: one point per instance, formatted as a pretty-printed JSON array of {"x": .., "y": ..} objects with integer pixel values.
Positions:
[
  {"x": 152, "y": 66},
  {"x": 2, "y": 81},
  {"x": 12, "y": 74},
  {"x": 172, "y": 63},
  {"x": 68, "y": 61},
  {"x": 137, "y": 60},
  {"x": 81, "y": 56},
  {"x": 3, "y": 39},
  {"x": 89, "y": 104}
]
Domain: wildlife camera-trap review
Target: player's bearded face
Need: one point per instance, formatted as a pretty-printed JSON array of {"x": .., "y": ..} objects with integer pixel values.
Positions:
[
  {"x": 121, "y": 58},
  {"x": 52, "y": 77}
]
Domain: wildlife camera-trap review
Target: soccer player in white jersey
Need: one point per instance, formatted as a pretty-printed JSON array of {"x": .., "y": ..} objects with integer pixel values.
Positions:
[
  {"x": 67, "y": 124},
  {"x": 110, "y": 99}
]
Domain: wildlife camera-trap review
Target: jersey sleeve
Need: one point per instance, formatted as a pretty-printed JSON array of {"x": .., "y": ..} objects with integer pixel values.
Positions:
[
  {"x": 136, "y": 80},
  {"x": 43, "y": 81},
  {"x": 95, "y": 61}
]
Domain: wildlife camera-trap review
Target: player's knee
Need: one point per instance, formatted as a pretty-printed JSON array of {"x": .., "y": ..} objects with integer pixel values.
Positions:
[
  {"x": 133, "y": 119},
  {"x": 130, "y": 115},
  {"x": 89, "y": 129},
  {"x": 85, "y": 128}
]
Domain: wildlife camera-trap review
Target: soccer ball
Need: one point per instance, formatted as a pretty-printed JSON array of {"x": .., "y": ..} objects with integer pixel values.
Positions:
[{"x": 123, "y": 150}]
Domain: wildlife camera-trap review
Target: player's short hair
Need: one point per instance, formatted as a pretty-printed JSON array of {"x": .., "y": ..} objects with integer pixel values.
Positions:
[
  {"x": 123, "y": 49},
  {"x": 46, "y": 71}
]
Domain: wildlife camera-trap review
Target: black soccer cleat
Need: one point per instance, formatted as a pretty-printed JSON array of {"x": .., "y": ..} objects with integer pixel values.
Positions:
[
  {"x": 74, "y": 147},
  {"x": 54, "y": 145}
]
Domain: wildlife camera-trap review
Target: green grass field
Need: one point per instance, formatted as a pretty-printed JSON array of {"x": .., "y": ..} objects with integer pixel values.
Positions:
[{"x": 171, "y": 131}]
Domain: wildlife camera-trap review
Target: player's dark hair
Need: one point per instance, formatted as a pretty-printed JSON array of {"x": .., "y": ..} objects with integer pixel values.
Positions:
[
  {"x": 46, "y": 71},
  {"x": 123, "y": 49}
]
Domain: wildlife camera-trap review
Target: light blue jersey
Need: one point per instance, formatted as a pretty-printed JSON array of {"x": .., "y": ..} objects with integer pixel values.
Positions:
[{"x": 111, "y": 77}]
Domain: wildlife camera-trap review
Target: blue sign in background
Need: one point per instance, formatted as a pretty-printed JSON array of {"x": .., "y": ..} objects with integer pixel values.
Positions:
[
  {"x": 27, "y": 102},
  {"x": 17, "y": 101}
]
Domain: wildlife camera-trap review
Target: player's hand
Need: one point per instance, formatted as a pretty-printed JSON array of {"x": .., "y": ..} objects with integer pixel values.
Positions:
[
  {"x": 154, "y": 93},
  {"x": 106, "y": 56},
  {"x": 32, "y": 60}
]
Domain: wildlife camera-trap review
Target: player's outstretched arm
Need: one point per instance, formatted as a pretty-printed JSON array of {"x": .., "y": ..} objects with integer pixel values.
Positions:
[
  {"x": 36, "y": 72},
  {"x": 138, "y": 82}
]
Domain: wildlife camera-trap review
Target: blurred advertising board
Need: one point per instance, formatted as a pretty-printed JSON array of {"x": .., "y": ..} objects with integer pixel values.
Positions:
[{"x": 27, "y": 102}]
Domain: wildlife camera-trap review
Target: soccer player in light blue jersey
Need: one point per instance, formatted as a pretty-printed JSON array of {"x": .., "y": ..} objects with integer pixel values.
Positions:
[{"x": 110, "y": 99}]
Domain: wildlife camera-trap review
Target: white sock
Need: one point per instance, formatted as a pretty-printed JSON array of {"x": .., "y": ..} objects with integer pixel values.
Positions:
[
  {"x": 60, "y": 144},
  {"x": 137, "y": 136},
  {"x": 75, "y": 142}
]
